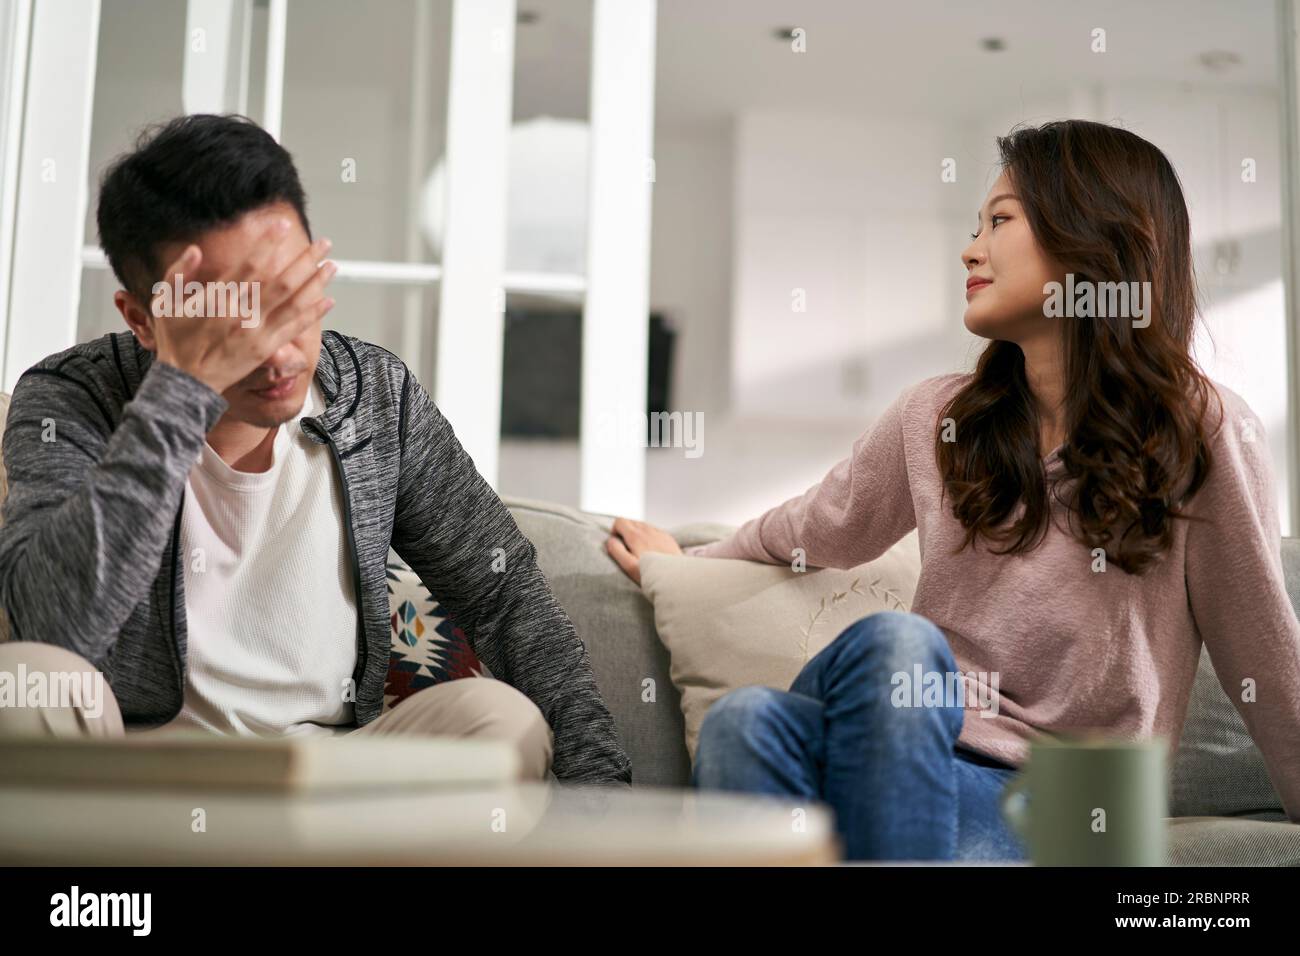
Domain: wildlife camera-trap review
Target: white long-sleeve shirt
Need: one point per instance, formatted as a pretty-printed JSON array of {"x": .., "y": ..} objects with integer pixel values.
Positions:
[{"x": 271, "y": 613}]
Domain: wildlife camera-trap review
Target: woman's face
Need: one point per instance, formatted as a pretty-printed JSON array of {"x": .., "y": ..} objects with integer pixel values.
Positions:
[{"x": 1006, "y": 272}]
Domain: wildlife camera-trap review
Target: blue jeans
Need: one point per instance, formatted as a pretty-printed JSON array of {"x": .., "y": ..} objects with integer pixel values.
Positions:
[{"x": 900, "y": 787}]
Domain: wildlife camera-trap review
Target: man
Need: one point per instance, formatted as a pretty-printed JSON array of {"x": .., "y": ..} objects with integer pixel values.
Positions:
[{"x": 202, "y": 508}]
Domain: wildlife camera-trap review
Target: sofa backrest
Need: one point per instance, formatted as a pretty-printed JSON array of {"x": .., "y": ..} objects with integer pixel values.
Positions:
[
  {"x": 1218, "y": 770},
  {"x": 616, "y": 623}
]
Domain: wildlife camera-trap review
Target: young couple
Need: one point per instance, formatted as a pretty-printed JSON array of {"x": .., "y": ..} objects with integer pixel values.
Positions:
[
  {"x": 1090, "y": 508},
  {"x": 207, "y": 522}
]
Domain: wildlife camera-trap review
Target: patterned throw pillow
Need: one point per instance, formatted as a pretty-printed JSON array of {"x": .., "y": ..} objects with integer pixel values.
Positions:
[{"x": 427, "y": 648}]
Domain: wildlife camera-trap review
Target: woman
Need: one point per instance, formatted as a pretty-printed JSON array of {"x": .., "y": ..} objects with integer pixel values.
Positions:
[{"x": 1090, "y": 508}]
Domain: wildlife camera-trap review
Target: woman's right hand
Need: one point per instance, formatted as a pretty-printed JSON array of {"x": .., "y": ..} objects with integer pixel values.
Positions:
[{"x": 630, "y": 539}]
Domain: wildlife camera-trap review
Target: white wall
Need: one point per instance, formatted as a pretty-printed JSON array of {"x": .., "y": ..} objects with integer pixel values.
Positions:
[
  {"x": 690, "y": 285},
  {"x": 851, "y": 209},
  {"x": 849, "y": 212},
  {"x": 690, "y": 278}
]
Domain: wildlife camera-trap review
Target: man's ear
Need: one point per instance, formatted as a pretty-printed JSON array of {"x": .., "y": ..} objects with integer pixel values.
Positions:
[{"x": 137, "y": 318}]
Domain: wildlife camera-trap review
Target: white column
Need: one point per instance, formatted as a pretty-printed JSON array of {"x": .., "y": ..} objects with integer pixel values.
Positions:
[
  {"x": 277, "y": 25},
  {"x": 1288, "y": 32},
  {"x": 467, "y": 383},
  {"x": 52, "y": 183},
  {"x": 14, "y": 31},
  {"x": 215, "y": 69},
  {"x": 615, "y": 328},
  {"x": 422, "y": 57}
]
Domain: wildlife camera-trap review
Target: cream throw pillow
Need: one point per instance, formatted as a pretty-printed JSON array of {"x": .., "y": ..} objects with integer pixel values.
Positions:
[{"x": 729, "y": 624}]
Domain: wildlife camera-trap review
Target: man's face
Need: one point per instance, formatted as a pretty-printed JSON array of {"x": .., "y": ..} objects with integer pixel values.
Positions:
[{"x": 275, "y": 391}]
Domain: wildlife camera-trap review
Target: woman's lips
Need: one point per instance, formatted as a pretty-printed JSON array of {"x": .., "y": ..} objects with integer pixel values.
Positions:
[
  {"x": 976, "y": 286},
  {"x": 280, "y": 389}
]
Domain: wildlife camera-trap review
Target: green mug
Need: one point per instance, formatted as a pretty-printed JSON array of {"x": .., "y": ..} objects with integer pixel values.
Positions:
[{"x": 1091, "y": 801}]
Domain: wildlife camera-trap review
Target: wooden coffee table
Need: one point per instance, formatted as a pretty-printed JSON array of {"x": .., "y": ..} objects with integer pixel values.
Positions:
[{"x": 521, "y": 824}]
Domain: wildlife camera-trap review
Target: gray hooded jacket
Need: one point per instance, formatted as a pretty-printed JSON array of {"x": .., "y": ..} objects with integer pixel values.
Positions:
[{"x": 98, "y": 445}]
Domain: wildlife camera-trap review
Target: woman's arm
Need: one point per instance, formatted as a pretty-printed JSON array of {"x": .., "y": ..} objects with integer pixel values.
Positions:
[
  {"x": 853, "y": 515},
  {"x": 1238, "y": 595}
]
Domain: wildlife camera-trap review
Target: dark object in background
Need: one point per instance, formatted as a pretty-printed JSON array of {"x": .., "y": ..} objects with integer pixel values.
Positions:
[
  {"x": 542, "y": 372},
  {"x": 541, "y": 385},
  {"x": 659, "y": 383}
]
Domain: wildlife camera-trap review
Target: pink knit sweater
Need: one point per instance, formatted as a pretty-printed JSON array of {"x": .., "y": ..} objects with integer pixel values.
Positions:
[{"x": 1075, "y": 649}]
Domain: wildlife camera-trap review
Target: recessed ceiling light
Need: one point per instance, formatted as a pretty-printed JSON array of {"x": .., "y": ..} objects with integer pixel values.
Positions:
[{"x": 1216, "y": 61}]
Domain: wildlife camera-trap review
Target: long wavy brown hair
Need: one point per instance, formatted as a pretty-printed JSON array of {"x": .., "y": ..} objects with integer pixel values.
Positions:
[{"x": 1107, "y": 206}]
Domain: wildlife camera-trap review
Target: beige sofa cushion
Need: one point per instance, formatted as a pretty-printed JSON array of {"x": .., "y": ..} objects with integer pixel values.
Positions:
[{"x": 729, "y": 624}]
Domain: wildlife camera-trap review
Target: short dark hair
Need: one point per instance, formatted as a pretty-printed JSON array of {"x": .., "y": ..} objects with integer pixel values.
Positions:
[{"x": 183, "y": 178}]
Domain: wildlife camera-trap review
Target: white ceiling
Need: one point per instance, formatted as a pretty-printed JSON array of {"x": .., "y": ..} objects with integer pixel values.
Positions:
[
  {"x": 719, "y": 57},
  {"x": 716, "y": 58}
]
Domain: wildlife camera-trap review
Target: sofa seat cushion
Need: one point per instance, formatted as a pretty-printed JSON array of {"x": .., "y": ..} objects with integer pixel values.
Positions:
[{"x": 1264, "y": 839}]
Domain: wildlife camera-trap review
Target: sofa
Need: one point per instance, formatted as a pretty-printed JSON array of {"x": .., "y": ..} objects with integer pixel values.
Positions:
[{"x": 1224, "y": 810}]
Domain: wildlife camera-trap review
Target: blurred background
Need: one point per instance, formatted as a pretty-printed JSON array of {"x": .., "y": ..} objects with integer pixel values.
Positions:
[{"x": 731, "y": 209}]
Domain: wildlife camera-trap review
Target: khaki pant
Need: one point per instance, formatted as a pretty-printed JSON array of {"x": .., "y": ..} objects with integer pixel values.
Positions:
[{"x": 472, "y": 707}]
